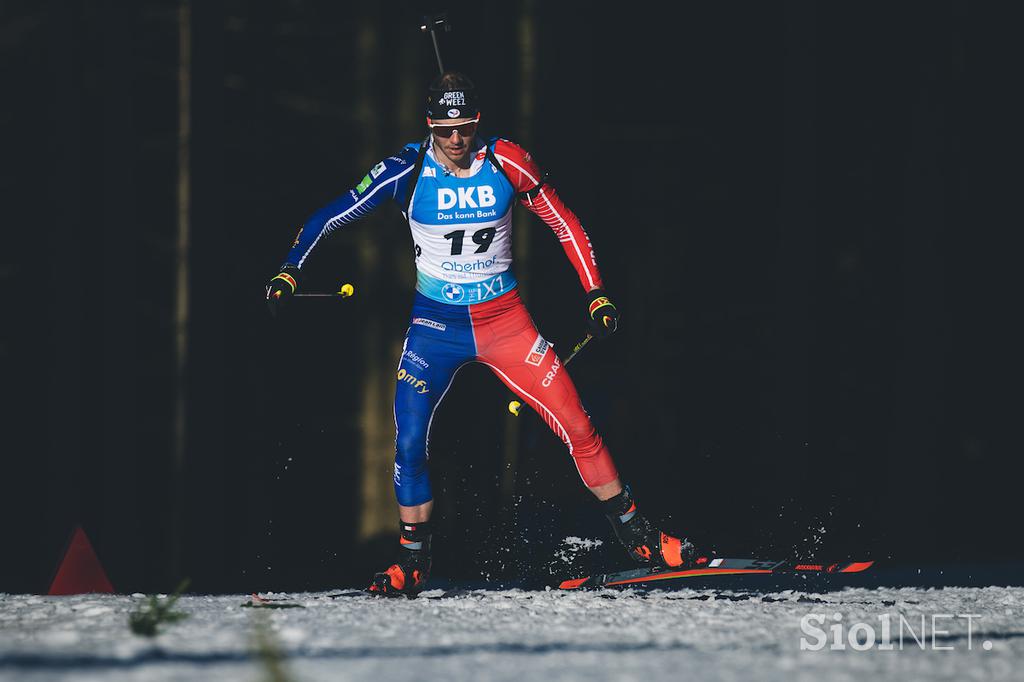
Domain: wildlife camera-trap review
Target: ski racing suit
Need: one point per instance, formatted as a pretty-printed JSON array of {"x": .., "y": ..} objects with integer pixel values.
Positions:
[{"x": 467, "y": 307}]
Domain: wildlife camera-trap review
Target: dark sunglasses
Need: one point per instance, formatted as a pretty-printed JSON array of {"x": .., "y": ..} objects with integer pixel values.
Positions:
[{"x": 445, "y": 131}]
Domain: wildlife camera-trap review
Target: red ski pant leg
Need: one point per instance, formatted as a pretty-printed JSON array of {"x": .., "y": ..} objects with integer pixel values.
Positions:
[{"x": 508, "y": 342}]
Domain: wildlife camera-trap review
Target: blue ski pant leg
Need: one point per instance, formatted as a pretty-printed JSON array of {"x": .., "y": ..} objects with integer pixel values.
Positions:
[{"x": 431, "y": 356}]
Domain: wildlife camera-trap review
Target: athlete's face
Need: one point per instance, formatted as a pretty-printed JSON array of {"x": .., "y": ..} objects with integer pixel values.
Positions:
[{"x": 455, "y": 138}]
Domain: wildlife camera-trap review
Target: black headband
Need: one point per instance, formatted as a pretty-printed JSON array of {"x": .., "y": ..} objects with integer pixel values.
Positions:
[{"x": 449, "y": 104}]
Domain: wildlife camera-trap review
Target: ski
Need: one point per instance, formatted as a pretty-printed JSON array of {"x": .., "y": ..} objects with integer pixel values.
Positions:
[
  {"x": 259, "y": 601},
  {"x": 712, "y": 567}
]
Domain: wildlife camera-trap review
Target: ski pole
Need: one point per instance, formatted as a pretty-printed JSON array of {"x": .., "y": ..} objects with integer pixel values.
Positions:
[
  {"x": 345, "y": 291},
  {"x": 515, "y": 406},
  {"x": 431, "y": 21}
]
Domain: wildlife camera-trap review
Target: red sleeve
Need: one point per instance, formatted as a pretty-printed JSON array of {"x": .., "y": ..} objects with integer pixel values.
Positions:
[{"x": 526, "y": 176}]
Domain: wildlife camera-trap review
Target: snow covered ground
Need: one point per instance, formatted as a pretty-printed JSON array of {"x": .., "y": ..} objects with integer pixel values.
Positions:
[{"x": 523, "y": 635}]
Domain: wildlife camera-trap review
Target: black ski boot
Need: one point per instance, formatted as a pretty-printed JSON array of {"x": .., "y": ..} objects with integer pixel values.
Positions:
[
  {"x": 408, "y": 576},
  {"x": 645, "y": 544}
]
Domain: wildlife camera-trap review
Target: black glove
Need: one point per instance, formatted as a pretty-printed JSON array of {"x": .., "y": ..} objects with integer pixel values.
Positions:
[
  {"x": 282, "y": 287},
  {"x": 602, "y": 314}
]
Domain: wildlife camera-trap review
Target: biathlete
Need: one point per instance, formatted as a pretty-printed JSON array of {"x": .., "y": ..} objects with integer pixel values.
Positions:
[{"x": 457, "y": 189}]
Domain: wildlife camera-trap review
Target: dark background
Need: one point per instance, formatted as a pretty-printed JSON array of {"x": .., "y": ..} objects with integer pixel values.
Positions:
[{"x": 802, "y": 211}]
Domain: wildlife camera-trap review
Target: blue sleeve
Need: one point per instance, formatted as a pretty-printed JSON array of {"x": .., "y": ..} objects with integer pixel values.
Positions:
[{"x": 387, "y": 180}]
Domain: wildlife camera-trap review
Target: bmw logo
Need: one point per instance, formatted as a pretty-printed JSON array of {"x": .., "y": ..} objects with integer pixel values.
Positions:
[{"x": 453, "y": 292}]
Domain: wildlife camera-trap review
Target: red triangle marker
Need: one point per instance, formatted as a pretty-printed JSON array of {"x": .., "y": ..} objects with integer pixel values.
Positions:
[{"x": 80, "y": 571}]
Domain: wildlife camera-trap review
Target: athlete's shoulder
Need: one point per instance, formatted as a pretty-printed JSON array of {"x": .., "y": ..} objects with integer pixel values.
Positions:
[
  {"x": 411, "y": 150},
  {"x": 510, "y": 150},
  {"x": 405, "y": 157},
  {"x": 388, "y": 170},
  {"x": 517, "y": 163},
  {"x": 400, "y": 161}
]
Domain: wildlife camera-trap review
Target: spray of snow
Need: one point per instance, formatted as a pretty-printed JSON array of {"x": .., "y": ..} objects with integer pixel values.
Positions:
[{"x": 572, "y": 548}]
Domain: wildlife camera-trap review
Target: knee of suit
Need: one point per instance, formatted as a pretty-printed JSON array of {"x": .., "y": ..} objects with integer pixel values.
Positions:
[
  {"x": 585, "y": 442},
  {"x": 412, "y": 481},
  {"x": 594, "y": 461},
  {"x": 411, "y": 448}
]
